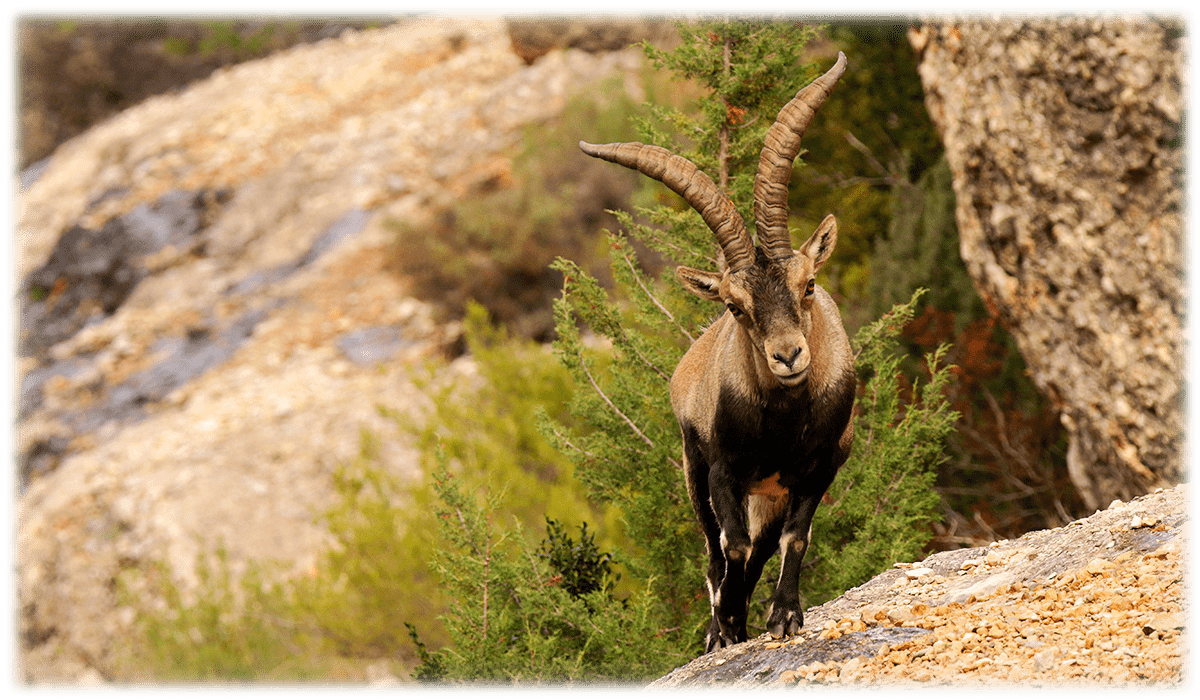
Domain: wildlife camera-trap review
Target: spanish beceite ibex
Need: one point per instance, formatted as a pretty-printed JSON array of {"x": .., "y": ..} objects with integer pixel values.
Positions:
[{"x": 764, "y": 396}]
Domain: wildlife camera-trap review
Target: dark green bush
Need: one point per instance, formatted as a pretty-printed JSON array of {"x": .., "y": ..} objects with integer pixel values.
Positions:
[
  {"x": 516, "y": 617},
  {"x": 580, "y": 566}
]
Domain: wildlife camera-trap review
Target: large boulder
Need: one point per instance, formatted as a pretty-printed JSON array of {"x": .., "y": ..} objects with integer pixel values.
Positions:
[
  {"x": 1063, "y": 136},
  {"x": 209, "y": 316},
  {"x": 1053, "y": 606}
]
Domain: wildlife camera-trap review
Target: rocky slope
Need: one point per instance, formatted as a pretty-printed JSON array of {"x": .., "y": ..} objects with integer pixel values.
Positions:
[
  {"x": 207, "y": 318},
  {"x": 1063, "y": 138},
  {"x": 1099, "y": 601}
]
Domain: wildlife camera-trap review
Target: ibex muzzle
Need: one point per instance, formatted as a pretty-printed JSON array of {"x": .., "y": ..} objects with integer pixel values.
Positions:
[{"x": 764, "y": 397}]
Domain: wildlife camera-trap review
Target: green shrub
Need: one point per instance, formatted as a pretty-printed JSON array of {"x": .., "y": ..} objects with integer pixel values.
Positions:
[
  {"x": 363, "y": 591},
  {"x": 881, "y": 504},
  {"x": 231, "y": 628},
  {"x": 379, "y": 578},
  {"x": 516, "y": 617},
  {"x": 580, "y": 566}
]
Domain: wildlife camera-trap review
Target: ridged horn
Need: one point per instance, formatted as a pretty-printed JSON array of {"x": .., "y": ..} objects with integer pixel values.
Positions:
[
  {"x": 780, "y": 148},
  {"x": 689, "y": 182}
]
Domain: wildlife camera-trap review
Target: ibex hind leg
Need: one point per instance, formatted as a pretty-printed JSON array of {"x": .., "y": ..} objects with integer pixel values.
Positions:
[{"x": 696, "y": 471}]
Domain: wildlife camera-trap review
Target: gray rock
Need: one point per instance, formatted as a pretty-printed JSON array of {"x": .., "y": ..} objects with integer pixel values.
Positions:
[
  {"x": 1063, "y": 137},
  {"x": 353, "y": 222},
  {"x": 368, "y": 346},
  {"x": 761, "y": 660},
  {"x": 757, "y": 664},
  {"x": 90, "y": 273}
]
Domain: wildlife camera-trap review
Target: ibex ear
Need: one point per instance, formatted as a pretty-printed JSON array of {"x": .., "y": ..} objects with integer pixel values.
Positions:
[
  {"x": 820, "y": 245},
  {"x": 705, "y": 285}
]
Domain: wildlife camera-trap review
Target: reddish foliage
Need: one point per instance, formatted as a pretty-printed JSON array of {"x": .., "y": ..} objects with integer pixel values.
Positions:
[{"x": 1003, "y": 478}]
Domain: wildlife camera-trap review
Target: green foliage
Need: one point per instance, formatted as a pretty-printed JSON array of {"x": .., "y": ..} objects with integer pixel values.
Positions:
[
  {"x": 921, "y": 249},
  {"x": 230, "y": 628},
  {"x": 880, "y": 506},
  {"x": 883, "y": 501},
  {"x": 487, "y": 426},
  {"x": 387, "y": 532},
  {"x": 629, "y": 452},
  {"x": 581, "y": 566},
  {"x": 494, "y": 246},
  {"x": 431, "y": 668},
  {"x": 361, "y": 595},
  {"x": 239, "y": 40},
  {"x": 872, "y": 135},
  {"x": 748, "y": 69},
  {"x": 513, "y": 618}
]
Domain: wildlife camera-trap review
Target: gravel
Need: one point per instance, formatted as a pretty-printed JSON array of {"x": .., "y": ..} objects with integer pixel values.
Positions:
[{"x": 1099, "y": 601}]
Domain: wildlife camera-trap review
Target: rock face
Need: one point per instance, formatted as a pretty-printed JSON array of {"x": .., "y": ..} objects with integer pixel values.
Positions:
[
  {"x": 208, "y": 317},
  {"x": 1099, "y": 600},
  {"x": 1063, "y": 138}
]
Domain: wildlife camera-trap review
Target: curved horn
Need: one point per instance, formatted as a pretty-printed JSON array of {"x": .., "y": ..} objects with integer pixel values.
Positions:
[
  {"x": 696, "y": 188},
  {"x": 775, "y": 164}
]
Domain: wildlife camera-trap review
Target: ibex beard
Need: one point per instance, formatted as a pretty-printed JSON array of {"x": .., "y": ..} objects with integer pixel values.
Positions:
[{"x": 764, "y": 397}]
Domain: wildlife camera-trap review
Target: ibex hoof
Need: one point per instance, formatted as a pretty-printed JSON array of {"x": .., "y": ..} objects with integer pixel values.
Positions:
[
  {"x": 786, "y": 624},
  {"x": 724, "y": 635}
]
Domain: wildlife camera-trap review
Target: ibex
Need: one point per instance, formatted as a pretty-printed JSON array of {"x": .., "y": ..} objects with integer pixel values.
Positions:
[{"x": 764, "y": 396}]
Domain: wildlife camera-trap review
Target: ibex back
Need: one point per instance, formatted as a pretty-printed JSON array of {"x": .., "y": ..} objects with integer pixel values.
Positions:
[{"x": 764, "y": 396}]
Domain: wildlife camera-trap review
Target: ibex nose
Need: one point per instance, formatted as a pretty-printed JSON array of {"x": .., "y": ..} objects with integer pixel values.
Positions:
[{"x": 786, "y": 360}]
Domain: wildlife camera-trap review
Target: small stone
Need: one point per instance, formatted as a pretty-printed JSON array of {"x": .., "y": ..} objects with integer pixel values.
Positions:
[
  {"x": 914, "y": 574},
  {"x": 1044, "y": 660},
  {"x": 1164, "y": 622},
  {"x": 790, "y": 676},
  {"x": 850, "y": 669},
  {"x": 899, "y": 615}
]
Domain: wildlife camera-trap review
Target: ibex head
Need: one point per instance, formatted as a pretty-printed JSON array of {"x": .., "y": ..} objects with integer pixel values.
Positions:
[{"x": 769, "y": 288}]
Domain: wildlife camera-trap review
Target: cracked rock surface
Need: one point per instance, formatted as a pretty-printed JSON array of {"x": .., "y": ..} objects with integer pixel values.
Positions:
[{"x": 1098, "y": 601}]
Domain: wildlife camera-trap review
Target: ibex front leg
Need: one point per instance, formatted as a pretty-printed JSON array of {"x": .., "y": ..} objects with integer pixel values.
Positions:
[
  {"x": 787, "y": 615},
  {"x": 730, "y": 600}
]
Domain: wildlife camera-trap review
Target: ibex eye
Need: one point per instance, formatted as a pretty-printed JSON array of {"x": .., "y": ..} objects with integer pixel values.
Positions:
[
  {"x": 734, "y": 310},
  {"x": 810, "y": 288}
]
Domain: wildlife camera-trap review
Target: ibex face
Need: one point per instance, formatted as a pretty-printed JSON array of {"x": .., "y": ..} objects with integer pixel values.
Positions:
[
  {"x": 764, "y": 397},
  {"x": 773, "y": 300}
]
